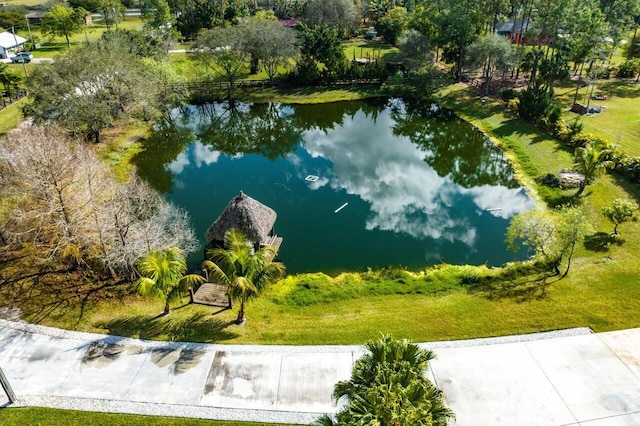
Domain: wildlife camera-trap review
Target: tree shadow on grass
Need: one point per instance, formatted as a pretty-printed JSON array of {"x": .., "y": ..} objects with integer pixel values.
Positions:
[
  {"x": 620, "y": 88},
  {"x": 521, "y": 289},
  {"x": 198, "y": 327},
  {"x": 600, "y": 242}
]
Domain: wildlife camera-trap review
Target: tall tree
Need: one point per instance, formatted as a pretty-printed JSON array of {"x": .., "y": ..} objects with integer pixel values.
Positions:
[
  {"x": 224, "y": 51},
  {"x": 113, "y": 11},
  {"x": 245, "y": 273},
  {"x": 270, "y": 44},
  {"x": 62, "y": 21},
  {"x": 8, "y": 78},
  {"x": 460, "y": 23},
  {"x": 89, "y": 89},
  {"x": 157, "y": 15},
  {"x": 64, "y": 202},
  {"x": 493, "y": 53},
  {"x": 163, "y": 276},
  {"x": 320, "y": 45},
  {"x": 392, "y": 24},
  {"x": 388, "y": 386},
  {"x": 340, "y": 14}
]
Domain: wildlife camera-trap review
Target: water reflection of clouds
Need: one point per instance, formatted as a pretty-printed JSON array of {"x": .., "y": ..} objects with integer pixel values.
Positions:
[
  {"x": 389, "y": 173},
  {"x": 405, "y": 195},
  {"x": 500, "y": 201},
  {"x": 201, "y": 155}
]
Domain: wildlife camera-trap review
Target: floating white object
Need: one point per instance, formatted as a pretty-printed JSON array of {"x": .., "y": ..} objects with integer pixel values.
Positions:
[
  {"x": 497, "y": 209},
  {"x": 341, "y": 207},
  {"x": 311, "y": 178}
]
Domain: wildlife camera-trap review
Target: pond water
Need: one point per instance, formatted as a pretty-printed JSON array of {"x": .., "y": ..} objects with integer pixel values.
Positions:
[{"x": 398, "y": 184}]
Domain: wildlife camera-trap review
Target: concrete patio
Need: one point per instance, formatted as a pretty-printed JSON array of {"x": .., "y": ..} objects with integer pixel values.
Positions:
[{"x": 571, "y": 377}]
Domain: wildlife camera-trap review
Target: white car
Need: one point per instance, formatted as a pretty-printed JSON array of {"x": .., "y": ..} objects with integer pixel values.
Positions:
[{"x": 21, "y": 57}]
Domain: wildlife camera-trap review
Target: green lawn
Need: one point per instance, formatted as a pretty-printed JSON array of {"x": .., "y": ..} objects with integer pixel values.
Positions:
[
  {"x": 619, "y": 121},
  {"x": 51, "y": 46},
  {"x": 11, "y": 116},
  {"x": 360, "y": 48},
  {"x": 57, "y": 417}
]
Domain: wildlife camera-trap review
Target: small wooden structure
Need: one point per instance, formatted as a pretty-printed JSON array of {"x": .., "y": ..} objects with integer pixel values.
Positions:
[
  {"x": 212, "y": 294},
  {"x": 252, "y": 218},
  {"x": 255, "y": 221}
]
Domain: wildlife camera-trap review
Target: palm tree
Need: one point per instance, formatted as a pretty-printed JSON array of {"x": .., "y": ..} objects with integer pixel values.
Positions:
[
  {"x": 162, "y": 275},
  {"x": 245, "y": 272},
  {"x": 591, "y": 161},
  {"x": 388, "y": 386}
]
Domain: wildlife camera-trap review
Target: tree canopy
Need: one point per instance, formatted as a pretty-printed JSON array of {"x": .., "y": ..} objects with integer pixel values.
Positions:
[
  {"x": 62, "y": 21},
  {"x": 245, "y": 273},
  {"x": 87, "y": 90},
  {"x": 388, "y": 386}
]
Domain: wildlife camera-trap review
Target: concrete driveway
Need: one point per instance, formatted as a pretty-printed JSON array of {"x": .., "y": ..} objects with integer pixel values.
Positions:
[{"x": 571, "y": 377}]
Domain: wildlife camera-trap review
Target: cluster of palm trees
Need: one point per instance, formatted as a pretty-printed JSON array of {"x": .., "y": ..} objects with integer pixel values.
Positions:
[
  {"x": 245, "y": 272},
  {"x": 388, "y": 386}
]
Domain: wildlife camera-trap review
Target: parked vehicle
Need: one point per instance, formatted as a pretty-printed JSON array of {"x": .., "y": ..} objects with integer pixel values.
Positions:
[{"x": 21, "y": 57}]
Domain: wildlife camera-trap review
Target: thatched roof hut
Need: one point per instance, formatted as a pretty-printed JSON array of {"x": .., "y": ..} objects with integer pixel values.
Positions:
[{"x": 252, "y": 218}]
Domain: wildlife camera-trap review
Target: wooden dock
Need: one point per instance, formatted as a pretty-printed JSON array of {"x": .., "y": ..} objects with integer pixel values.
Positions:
[{"x": 211, "y": 294}]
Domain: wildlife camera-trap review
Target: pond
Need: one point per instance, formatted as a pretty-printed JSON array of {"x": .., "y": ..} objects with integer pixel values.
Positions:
[{"x": 356, "y": 185}]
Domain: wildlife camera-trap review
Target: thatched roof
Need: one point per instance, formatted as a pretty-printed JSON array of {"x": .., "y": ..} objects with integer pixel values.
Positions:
[{"x": 252, "y": 218}]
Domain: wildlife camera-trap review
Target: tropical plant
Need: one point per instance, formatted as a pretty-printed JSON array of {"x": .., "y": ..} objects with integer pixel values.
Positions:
[
  {"x": 591, "y": 161},
  {"x": 621, "y": 211},
  {"x": 388, "y": 386},
  {"x": 245, "y": 272},
  {"x": 163, "y": 275}
]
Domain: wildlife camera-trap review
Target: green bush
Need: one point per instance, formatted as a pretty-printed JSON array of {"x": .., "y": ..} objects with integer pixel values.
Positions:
[
  {"x": 629, "y": 68},
  {"x": 508, "y": 94},
  {"x": 535, "y": 103}
]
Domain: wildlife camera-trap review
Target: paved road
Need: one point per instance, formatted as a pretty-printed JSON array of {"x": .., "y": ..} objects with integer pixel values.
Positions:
[{"x": 571, "y": 377}]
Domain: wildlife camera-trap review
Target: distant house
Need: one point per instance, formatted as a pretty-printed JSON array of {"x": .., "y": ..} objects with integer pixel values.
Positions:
[
  {"x": 35, "y": 17},
  {"x": 10, "y": 43},
  {"x": 515, "y": 30}
]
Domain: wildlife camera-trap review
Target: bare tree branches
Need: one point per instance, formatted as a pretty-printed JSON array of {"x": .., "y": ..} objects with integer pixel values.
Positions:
[{"x": 61, "y": 200}]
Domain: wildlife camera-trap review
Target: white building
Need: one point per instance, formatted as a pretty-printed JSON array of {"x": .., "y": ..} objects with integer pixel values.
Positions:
[{"x": 10, "y": 44}]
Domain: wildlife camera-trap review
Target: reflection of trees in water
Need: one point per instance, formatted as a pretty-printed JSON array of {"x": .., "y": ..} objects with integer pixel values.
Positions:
[
  {"x": 452, "y": 147},
  {"x": 329, "y": 116},
  {"x": 161, "y": 148},
  {"x": 233, "y": 128}
]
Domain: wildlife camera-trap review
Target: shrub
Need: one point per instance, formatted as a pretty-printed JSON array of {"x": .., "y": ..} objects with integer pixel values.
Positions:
[
  {"x": 535, "y": 103},
  {"x": 508, "y": 94},
  {"x": 629, "y": 69}
]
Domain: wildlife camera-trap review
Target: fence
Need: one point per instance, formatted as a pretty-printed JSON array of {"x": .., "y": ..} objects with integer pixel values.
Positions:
[
  {"x": 207, "y": 89},
  {"x": 8, "y": 99}
]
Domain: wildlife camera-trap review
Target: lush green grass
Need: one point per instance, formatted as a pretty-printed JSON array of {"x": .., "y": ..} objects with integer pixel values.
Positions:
[
  {"x": 11, "y": 116},
  {"x": 51, "y": 46},
  {"x": 56, "y": 417},
  {"x": 619, "y": 121},
  {"x": 360, "y": 48}
]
